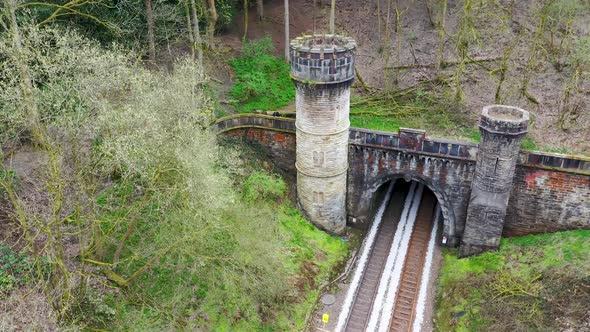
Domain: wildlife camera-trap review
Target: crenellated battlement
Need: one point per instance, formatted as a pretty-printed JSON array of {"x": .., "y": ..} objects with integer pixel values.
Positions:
[{"x": 321, "y": 59}]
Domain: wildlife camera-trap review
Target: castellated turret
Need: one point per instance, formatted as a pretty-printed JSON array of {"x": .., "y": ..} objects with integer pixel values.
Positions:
[
  {"x": 322, "y": 68},
  {"x": 502, "y": 128}
]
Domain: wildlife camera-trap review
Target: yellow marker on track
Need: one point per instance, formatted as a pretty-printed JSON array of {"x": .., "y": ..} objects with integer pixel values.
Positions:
[{"x": 325, "y": 318}]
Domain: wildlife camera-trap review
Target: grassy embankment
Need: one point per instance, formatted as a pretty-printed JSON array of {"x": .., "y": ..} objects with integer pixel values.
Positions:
[{"x": 532, "y": 283}]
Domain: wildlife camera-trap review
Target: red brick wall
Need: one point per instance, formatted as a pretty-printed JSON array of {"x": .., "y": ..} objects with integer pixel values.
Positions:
[
  {"x": 279, "y": 146},
  {"x": 545, "y": 200}
]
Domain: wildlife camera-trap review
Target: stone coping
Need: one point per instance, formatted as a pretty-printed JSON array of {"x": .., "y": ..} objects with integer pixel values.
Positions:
[
  {"x": 557, "y": 161},
  {"x": 325, "y": 43},
  {"x": 414, "y": 140}
]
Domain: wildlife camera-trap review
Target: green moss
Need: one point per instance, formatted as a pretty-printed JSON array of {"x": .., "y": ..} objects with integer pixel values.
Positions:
[{"x": 261, "y": 186}]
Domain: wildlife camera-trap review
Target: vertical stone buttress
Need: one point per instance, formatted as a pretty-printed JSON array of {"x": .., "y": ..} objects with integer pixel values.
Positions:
[
  {"x": 322, "y": 68},
  {"x": 502, "y": 128}
]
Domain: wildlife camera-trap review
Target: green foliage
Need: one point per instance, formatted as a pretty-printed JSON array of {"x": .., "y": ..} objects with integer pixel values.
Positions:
[
  {"x": 561, "y": 11},
  {"x": 263, "y": 81},
  {"x": 261, "y": 186},
  {"x": 7, "y": 177},
  {"x": 581, "y": 54},
  {"x": 60, "y": 63},
  {"x": 15, "y": 269},
  {"x": 513, "y": 287},
  {"x": 93, "y": 310},
  {"x": 528, "y": 143}
]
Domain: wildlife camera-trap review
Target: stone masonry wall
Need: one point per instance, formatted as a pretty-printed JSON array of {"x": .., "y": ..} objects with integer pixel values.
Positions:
[
  {"x": 449, "y": 179},
  {"x": 550, "y": 192}
]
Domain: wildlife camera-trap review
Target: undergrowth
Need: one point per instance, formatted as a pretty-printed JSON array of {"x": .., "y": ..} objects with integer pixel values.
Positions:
[
  {"x": 439, "y": 115},
  {"x": 16, "y": 269},
  {"x": 149, "y": 223},
  {"x": 532, "y": 283},
  {"x": 262, "y": 79},
  {"x": 177, "y": 294}
]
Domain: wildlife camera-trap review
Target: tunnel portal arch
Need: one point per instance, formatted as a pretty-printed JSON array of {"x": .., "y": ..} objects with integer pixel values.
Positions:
[{"x": 449, "y": 222}]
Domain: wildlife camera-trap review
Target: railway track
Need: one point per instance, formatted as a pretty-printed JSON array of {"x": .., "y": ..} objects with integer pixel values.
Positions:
[
  {"x": 386, "y": 297},
  {"x": 363, "y": 303},
  {"x": 404, "y": 311}
]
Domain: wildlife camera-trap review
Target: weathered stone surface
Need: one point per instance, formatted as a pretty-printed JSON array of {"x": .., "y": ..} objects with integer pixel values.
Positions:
[
  {"x": 448, "y": 178},
  {"x": 322, "y": 59},
  {"x": 278, "y": 146},
  {"x": 322, "y": 68},
  {"x": 544, "y": 200},
  {"x": 502, "y": 128},
  {"x": 549, "y": 192}
]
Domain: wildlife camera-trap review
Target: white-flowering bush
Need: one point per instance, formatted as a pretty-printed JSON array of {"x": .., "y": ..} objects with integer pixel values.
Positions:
[{"x": 109, "y": 125}]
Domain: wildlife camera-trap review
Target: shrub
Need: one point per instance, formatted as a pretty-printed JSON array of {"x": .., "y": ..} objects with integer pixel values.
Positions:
[
  {"x": 261, "y": 186},
  {"x": 263, "y": 81},
  {"x": 15, "y": 269}
]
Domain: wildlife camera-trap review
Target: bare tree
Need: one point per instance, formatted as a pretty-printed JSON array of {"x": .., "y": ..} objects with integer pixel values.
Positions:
[
  {"x": 26, "y": 82},
  {"x": 150, "y": 26},
  {"x": 197, "y": 33},
  {"x": 245, "y": 19},
  {"x": 260, "y": 9},
  {"x": 286, "y": 30},
  {"x": 189, "y": 28},
  {"x": 332, "y": 14},
  {"x": 212, "y": 18}
]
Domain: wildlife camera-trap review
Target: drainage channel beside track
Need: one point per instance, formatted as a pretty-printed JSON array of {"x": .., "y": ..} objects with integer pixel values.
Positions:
[{"x": 389, "y": 287}]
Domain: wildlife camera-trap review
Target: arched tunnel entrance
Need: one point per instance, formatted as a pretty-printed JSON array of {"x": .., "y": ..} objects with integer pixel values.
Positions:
[
  {"x": 391, "y": 284},
  {"x": 401, "y": 187}
]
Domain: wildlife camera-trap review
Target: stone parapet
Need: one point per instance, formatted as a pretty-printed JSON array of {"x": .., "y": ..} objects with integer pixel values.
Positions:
[
  {"x": 414, "y": 140},
  {"x": 504, "y": 120},
  {"x": 433, "y": 146},
  {"x": 322, "y": 59}
]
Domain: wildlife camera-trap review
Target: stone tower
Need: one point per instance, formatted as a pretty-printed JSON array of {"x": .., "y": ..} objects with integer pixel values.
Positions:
[
  {"x": 322, "y": 68},
  {"x": 502, "y": 128}
]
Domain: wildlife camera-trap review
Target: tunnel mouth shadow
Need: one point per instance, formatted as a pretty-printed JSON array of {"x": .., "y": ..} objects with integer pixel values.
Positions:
[{"x": 402, "y": 182}]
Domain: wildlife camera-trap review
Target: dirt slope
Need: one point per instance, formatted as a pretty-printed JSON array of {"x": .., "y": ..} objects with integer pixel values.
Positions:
[{"x": 498, "y": 26}]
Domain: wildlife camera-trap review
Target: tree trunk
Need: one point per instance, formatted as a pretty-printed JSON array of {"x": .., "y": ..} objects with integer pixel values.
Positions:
[
  {"x": 26, "y": 82},
  {"x": 197, "y": 33},
  {"x": 287, "y": 42},
  {"x": 150, "y": 26},
  {"x": 212, "y": 18},
  {"x": 379, "y": 18},
  {"x": 189, "y": 29},
  {"x": 260, "y": 9},
  {"x": 332, "y": 15},
  {"x": 386, "y": 43},
  {"x": 245, "y": 20}
]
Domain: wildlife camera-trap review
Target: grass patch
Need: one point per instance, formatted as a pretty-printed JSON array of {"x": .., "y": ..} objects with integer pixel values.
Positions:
[
  {"x": 532, "y": 283},
  {"x": 262, "y": 79},
  {"x": 413, "y": 109},
  {"x": 430, "y": 111},
  {"x": 528, "y": 143}
]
